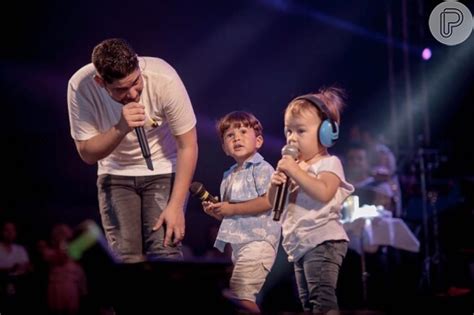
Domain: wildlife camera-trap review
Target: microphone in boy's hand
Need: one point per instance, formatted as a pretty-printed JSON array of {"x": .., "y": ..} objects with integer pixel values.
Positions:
[
  {"x": 282, "y": 189},
  {"x": 197, "y": 190}
]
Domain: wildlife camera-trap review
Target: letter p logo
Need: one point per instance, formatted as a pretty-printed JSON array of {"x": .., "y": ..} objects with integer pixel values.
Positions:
[
  {"x": 450, "y": 18},
  {"x": 450, "y": 23}
]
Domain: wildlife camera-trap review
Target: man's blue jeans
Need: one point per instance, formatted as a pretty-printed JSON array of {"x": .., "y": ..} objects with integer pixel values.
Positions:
[
  {"x": 316, "y": 275},
  {"x": 129, "y": 208}
]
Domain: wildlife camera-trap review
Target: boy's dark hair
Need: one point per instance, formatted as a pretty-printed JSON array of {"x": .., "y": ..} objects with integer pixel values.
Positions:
[
  {"x": 114, "y": 59},
  {"x": 236, "y": 119}
]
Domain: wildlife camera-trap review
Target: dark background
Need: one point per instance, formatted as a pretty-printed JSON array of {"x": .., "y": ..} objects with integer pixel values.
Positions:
[{"x": 245, "y": 54}]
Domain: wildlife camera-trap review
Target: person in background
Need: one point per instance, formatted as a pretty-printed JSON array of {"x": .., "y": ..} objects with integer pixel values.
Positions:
[
  {"x": 382, "y": 166},
  {"x": 15, "y": 266},
  {"x": 371, "y": 190},
  {"x": 14, "y": 258},
  {"x": 67, "y": 283}
]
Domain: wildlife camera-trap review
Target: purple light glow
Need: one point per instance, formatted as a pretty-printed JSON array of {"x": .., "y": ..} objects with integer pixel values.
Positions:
[{"x": 426, "y": 54}]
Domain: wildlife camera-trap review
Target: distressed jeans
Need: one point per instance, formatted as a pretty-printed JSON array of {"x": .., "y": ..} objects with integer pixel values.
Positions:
[
  {"x": 316, "y": 275},
  {"x": 129, "y": 208}
]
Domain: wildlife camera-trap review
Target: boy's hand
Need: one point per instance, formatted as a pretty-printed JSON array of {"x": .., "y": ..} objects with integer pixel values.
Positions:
[
  {"x": 209, "y": 208},
  {"x": 223, "y": 209}
]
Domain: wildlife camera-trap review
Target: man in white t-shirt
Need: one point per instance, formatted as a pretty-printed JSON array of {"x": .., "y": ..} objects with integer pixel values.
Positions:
[
  {"x": 15, "y": 267},
  {"x": 141, "y": 204},
  {"x": 14, "y": 259}
]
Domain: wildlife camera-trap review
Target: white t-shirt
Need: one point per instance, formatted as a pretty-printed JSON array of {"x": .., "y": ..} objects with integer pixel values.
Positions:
[
  {"x": 92, "y": 111},
  {"x": 17, "y": 255},
  {"x": 308, "y": 222}
]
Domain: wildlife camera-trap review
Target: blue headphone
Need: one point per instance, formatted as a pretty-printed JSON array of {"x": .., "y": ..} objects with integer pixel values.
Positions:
[{"x": 328, "y": 131}]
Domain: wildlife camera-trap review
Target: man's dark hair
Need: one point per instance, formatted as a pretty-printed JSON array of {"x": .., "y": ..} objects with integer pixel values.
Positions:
[{"x": 114, "y": 59}]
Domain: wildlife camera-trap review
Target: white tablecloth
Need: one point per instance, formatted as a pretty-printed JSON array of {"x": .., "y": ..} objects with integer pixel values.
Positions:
[{"x": 370, "y": 233}]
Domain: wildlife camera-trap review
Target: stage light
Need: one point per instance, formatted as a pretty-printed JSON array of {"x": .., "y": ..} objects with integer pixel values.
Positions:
[{"x": 426, "y": 54}]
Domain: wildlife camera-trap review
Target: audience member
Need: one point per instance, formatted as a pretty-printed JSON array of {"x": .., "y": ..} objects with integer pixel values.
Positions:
[{"x": 67, "y": 285}]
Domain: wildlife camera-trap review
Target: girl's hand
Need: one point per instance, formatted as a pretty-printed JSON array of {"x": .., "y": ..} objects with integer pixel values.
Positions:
[
  {"x": 288, "y": 165},
  {"x": 278, "y": 178}
]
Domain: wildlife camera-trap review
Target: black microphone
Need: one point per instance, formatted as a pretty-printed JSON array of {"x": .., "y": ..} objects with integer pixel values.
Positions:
[
  {"x": 197, "y": 190},
  {"x": 144, "y": 146},
  {"x": 282, "y": 190}
]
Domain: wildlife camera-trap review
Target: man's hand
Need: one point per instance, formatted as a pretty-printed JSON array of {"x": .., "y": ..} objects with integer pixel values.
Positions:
[
  {"x": 172, "y": 219},
  {"x": 133, "y": 115}
]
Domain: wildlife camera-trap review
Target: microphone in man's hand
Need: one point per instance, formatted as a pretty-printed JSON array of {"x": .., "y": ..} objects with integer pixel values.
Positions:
[
  {"x": 282, "y": 189},
  {"x": 142, "y": 140},
  {"x": 197, "y": 190}
]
